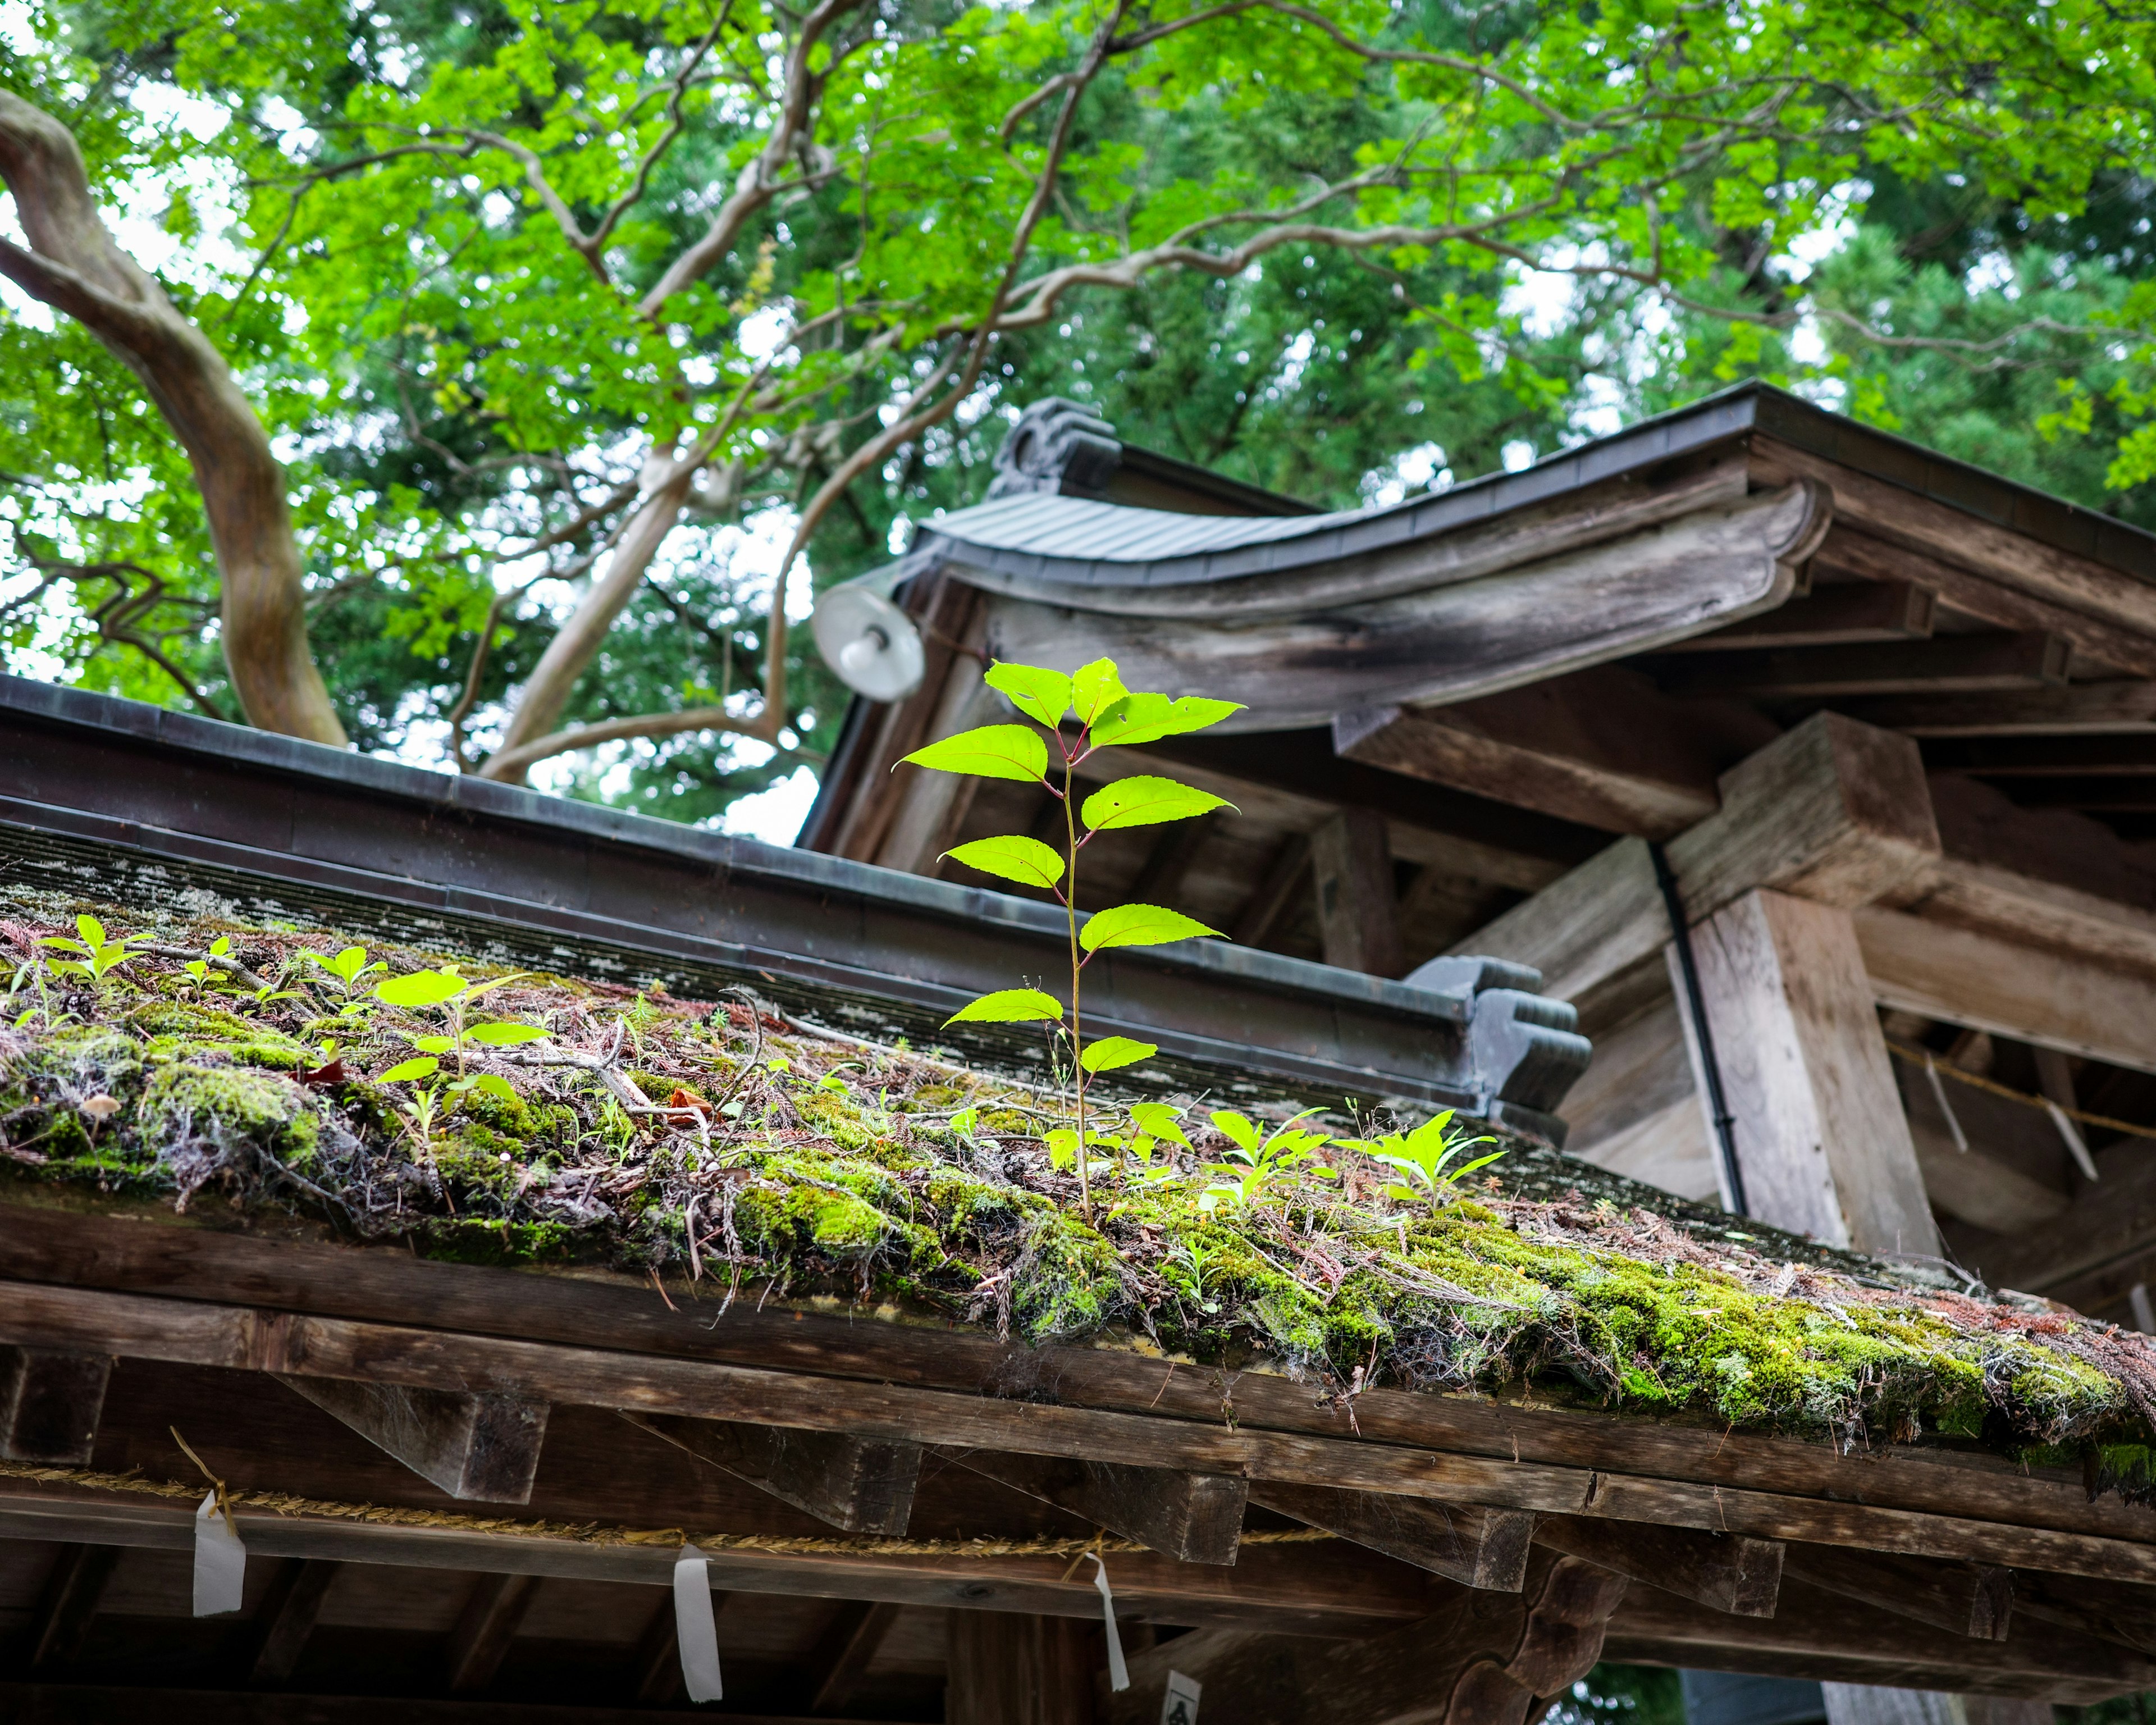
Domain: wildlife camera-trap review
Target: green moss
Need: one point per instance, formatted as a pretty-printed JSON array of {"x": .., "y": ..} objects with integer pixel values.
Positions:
[
  {"x": 183, "y": 1030},
  {"x": 230, "y": 1106}
]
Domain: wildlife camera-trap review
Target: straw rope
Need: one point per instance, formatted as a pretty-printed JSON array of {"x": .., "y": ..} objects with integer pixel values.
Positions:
[
  {"x": 596, "y": 1533},
  {"x": 1918, "y": 1057}
]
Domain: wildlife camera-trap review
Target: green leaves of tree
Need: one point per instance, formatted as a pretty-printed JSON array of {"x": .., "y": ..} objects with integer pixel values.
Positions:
[
  {"x": 1146, "y": 801},
  {"x": 422, "y": 987},
  {"x": 1108, "y": 1053},
  {"x": 1027, "y": 861},
  {"x": 1147, "y": 718},
  {"x": 1140, "y": 925},
  {"x": 1094, "y": 689},
  {"x": 992, "y": 752},
  {"x": 1009, "y": 1006}
]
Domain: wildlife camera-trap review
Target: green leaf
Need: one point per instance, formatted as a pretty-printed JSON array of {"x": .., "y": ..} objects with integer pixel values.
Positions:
[
  {"x": 422, "y": 987},
  {"x": 1094, "y": 689},
  {"x": 1147, "y": 802},
  {"x": 1160, "y": 1120},
  {"x": 1238, "y": 1127},
  {"x": 91, "y": 930},
  {"x": 433, "y": 1044},
  {"x": 1062, "y": 1146},
  {"x": 1139, "y": 925},
  {"x": 504, "y": 1035},
  {"x": 404, "y": 1071},
  {"x": 1043, "y": 695},
  {"x": 1147, "y": 718},
  {"x": 1110, "y": 1052},
  {"x": 1009, "y": 1006},
  {"x": 493, "y": 1085},
  {"x": 992, "y": 752},
  {"x": 1025, "y": 861}
]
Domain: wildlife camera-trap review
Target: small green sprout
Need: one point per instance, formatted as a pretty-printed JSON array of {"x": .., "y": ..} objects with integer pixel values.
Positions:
[
  {"x": 1421, "y": 1157},
  {"x": 98, "y": 956}
]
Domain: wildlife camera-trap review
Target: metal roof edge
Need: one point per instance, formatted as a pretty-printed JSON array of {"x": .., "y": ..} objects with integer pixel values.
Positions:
[{"x": 799, "y": 870}]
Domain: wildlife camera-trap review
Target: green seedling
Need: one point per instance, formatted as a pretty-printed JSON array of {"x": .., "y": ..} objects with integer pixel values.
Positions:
[
  {"x": 1421, "y": 1159},
  {"x": 1255, "y": 1161},
  {"x": 97, "y": 956},
  {"x": 352, "y": 968},
  {"x": 422, "y": 990}
]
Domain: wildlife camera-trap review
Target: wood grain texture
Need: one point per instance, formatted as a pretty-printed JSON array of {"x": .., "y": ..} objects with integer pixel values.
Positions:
[
  {"x": 287, "y": 1620},
  {"x": 1476, "y": 1547},
  {"x": 1194, "y": 1519},
  {"x": 81, "y": 1704},
  {"x": 1972, "y": 1599},
  {"x": 2125, "y": 707},
  {"x": 1359, "y": 913},
  {"x": 859, "y": 1486},
  {"x": 1848, "y": 611},
  {"x": 1951, "y": 664},
  {"x": 1007, "y": 1669},
  {"x": 68, "y": 1603},
  {"x": 1727, "y": 1572},
  {"x": 1821, "y": 1138},
  {"x": 483, "y": 1447},
  {"x": 50, "y": 1403}
]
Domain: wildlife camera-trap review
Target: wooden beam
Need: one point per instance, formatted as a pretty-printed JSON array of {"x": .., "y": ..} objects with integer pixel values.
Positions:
[
  {"x": 2120, "y": 1613},
  {"x": 1634, "y": 1111},
  {"x": 50, "y": 1403},
  {"x": 1949, "y": 664},
  {"x": 1834, "y": 1636},
  {"x": 287, "y": 1620},
  {"x": 1160, "y": 877},
  {"x": 2111, "y": 1223},
  {"x": 845, "y": 1651},
  {"x": 1726, "y": 1572},
  {"x": 199, "y": 1332},
  {"x": 483, "y": 1447},
  {"x": 492, "y": 1616},
  {"x": 2082, "y": 709},
  {"x": 1286, "y": 877},
  {"x": 1821, "y": 1139},
  {"x": 1602, "y": 747},
  {"x": 1006, "y": 1669},
  {"x": 1483, "y": 1662},
  {"x": 1848, "y": 611},
  {"x": 1922, "y": 965},
  {"x": 1351, "y": 862},
  {"x": 1972, "y": 1599},
  {"x": 861, "y": 1485},
  {"x": 1831, "y": 811},
  {"x": 69, "y": 1604},
  {"x": 1193, "y": 1517},
  {"x": 1464, "y": 1542},
  {"x": 83, "y": 1704}
]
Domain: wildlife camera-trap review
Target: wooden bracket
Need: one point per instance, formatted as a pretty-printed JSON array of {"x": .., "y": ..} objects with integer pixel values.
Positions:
[
  {"x": 1727, "y": 1571},
  {"x": 50, "y": 1400},
  {"x": 857, "y": 1484},
  {"x": 1972, "y": 1599},
  {"x": 1464, "y": 1542},
  {"x": 1193, "y": 1517},
  {"x": 482, "y": 1447}
]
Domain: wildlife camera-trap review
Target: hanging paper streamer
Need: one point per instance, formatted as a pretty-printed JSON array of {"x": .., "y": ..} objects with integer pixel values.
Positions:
[
  {"x": 1180, "y": 1707},
  {"x": 2075, "y": 1146},
  {"x": 1119, "y": 1673},
  {"x": 695, "y": 1626},
  {"x": 1939, "y": 1094},
  {"x": 220, "y": 1561}
]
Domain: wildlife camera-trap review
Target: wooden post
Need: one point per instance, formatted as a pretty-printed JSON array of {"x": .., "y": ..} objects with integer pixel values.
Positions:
[
  {"x": 1821, "y": 1138},
  {"x": 1357, "y": 910},
  {"x": 1007, "y": 1668},
  {"x": 50, "y": 1400}
]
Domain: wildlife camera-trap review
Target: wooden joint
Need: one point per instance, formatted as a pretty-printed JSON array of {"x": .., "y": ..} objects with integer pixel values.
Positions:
[
  {"x": 1478, "y": 1548},
  {"x": 1193, "y": 1517},
  {"x": 474, "y": 1447}
]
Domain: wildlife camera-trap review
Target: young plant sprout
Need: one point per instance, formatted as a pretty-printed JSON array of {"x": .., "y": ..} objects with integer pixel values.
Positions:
[
  {"x": 96, "y": 956},
  {"x": 1105, "y": 714},
  {"x": 422, "y": 989}
]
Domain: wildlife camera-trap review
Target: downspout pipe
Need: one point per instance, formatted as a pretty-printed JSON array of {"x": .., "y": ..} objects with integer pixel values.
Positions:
[{"x": 1725, "y": 1122}]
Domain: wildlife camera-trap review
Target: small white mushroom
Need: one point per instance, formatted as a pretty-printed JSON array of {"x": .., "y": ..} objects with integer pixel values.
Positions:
[{"x": 101, "y": 1107}]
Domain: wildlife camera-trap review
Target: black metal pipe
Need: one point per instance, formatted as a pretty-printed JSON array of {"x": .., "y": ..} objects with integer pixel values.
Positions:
[{"x": 1725, "y": 1122}]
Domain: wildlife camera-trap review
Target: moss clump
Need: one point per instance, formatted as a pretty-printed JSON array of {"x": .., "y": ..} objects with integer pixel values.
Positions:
[{"x": 839, "y": 1168}]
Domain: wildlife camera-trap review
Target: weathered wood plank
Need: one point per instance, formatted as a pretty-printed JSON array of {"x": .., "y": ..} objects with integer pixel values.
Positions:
[
  {"x": 1359, "y": 913},
  {"x": 44, "y": 1315},
  {"x": 1831, "y": 811},
  {"x": 861, "y": 1486},
  {"x": 1193, "y": 1517},
  {"x": 845, "y": 1651},
  {"x": 1950, "y": 665},
  {"x": 1923, "y": 965},
  {"x": 83, "y": 1704},
  {"x": 1476, "y": 1547},
  {"x": 1725, "y": 1571},
  {"x": 288, "y": 1618},
  {"x": 1010, "y": 1670},
  {"x": 201, "y": 1269},
  {"x": 490, "y": 1620},
  {"x": 1848, "y": 611},
  {"x": 69, "y": 1604},
  {"x": 483, "y": 1446},
  {"x": 1602, "y": 747},
  {"x": 1821, "y": 1139},
  {"x": 1972, "y": 1599},
  {"x": 2082, "y": 709},
  {"x": 50, "y": 1403}
]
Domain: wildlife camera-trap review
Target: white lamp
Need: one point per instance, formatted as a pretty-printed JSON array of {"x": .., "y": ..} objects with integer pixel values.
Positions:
[{"x": 871, "y": 643}]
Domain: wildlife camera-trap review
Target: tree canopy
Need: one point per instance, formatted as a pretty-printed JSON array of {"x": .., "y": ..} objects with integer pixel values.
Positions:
[{"x": 505, "y": 353}]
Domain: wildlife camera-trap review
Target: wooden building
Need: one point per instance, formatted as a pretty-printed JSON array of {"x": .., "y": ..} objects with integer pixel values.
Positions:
[{"x": 1887, "y": 720}]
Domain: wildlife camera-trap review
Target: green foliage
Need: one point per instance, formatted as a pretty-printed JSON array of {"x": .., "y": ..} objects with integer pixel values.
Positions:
[
  {"x": 1025, "y": 861},
  {"x": 1146, "y": 801},
  {"x": 96, "y": 956},
  {"x": 1140, "y": 925},
  {"x": 1422, "y": 1156}
]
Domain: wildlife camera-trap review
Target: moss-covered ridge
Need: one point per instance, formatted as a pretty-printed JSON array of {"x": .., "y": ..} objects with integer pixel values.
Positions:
[{"x": 722, "y": 1140}]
